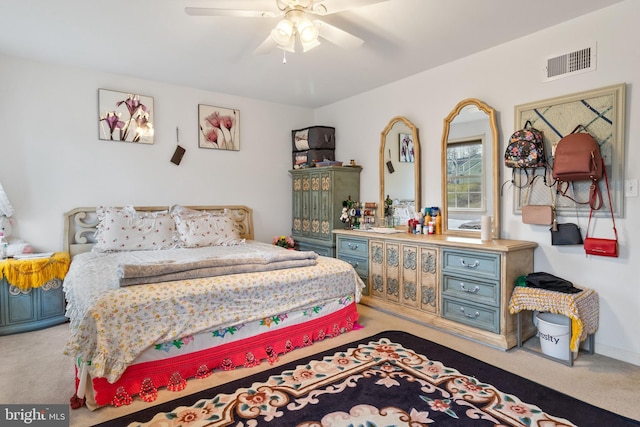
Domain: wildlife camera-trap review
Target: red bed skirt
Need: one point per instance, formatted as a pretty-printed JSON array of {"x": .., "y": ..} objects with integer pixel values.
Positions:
[{"x": 145, "y": 378}]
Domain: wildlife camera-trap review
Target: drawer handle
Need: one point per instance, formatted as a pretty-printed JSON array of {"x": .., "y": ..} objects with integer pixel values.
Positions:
[
  {"x": 471, "y": 291},
  {"x": 471, "y": 316},
  {"x": 475, "y": 264},
  {"x": 354, "y": 264},
  {"x": 352, "y": 246}
]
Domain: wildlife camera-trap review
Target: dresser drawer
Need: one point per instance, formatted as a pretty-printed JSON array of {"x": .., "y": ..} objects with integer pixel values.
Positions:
[
  {"x": 319, "y": 249},
  {"x": 468, "y": 289},
  {"x": 483, "y": 317},
  {"x": 359, "y": 264},
  {"x": 352, "y": 246},
  {"x": 471, "y": 263}
]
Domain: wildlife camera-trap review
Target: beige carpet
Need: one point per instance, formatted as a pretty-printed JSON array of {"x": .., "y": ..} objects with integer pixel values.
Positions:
[{"x": 33, "y": 369}]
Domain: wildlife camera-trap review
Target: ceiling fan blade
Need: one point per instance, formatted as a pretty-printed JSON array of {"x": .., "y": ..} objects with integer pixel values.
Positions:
[
  {"x": 211, "y": 11},
  {"x": 266, "y": 46},
  {"x": 337, "y": 36},
  {"x": 328, "y": 7}
]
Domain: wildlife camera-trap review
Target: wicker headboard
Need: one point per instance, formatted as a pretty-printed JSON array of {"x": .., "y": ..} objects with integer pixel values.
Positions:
[{"x": 80, "y": 224}]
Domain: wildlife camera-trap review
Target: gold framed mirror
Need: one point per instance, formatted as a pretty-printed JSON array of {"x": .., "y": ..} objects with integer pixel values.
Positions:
[
  {"x": 470, "y": 169},
  {"x": 399, "y": 170}
]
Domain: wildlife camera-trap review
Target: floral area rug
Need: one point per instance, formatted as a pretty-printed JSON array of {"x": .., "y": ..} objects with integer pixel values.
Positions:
[{"x": 391, "y": 379}]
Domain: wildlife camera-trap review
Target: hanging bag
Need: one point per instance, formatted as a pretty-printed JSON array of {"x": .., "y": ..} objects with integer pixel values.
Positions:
[
  {"x": 599, "y": 246},
  {"x": 525, "y": 149},
  {"x": 577, "y": 158},
  {"x": 567, "y": 233},
  {"x": 537, "y": 214}
]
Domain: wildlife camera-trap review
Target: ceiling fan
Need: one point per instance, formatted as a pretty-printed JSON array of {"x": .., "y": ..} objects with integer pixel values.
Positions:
[{"x": 298, "y": 19}]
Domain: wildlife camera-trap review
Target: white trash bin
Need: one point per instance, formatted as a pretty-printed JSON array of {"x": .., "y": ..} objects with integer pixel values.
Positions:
[{"x": 554, "y": 331}]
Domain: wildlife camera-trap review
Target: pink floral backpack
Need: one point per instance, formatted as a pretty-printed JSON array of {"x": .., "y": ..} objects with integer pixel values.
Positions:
[{"x": 526, "y": 149}]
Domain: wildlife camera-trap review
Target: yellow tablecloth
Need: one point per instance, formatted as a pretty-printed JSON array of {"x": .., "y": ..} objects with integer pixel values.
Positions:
[
  {"x": 582, "y": 308},
  {"x": 34, "y": 272}
]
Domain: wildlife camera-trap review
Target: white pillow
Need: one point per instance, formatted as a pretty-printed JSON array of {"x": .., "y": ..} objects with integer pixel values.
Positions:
[
  {"x": 127, "y": 230},
  {"x": 183, "y": 211},
  {"x": 206, "y": 229}
]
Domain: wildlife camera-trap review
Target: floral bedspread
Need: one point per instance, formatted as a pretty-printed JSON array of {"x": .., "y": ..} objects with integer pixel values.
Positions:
[{"x": 110, "y": 326}]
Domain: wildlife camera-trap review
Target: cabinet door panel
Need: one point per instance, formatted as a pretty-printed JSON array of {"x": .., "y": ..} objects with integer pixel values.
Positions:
[
  {"x": 376, "y": 268},
  {"x": 21, "y": 306},
  {"x": 296, "y": 228},
  {"x": 325, "y": 224},
  {"x": 409, "y": 294},
  {"x": 51, "y": 299},
  {"x": 314, "y": 213},
  {"x": 429, "y": 288},
  {"x": 306, "y": 205},
  {"x": 392, "y": 271}
]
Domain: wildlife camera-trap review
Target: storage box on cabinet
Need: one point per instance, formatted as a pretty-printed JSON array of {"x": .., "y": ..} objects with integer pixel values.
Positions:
[
  {"x": 313, "y": 138},
  {"x": 310, "y": 157}
]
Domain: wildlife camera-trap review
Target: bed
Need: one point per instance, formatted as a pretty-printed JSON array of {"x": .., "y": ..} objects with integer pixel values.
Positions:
[{"x": 158, "y": 296}]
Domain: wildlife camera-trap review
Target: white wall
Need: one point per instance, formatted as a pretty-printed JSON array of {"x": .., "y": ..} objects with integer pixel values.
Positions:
[
  {"x": 503, "y": 77},
  {"x": 52, "y": 160}
]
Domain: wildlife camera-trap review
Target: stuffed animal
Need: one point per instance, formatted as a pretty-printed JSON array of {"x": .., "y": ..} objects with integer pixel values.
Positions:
[
  {"x": 344, "y": 217},
  {"x": 16, "y": 246}
]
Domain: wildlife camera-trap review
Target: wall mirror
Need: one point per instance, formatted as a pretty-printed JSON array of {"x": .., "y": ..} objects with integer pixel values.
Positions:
[
  {"x": 400, "y": 170},
  {"x": 470, "y": 172}
]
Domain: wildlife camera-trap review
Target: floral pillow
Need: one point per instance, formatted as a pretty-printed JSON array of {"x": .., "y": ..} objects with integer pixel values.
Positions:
[
  {"x": 128, "y": 230},
  {"x": 199, "y": 228}
]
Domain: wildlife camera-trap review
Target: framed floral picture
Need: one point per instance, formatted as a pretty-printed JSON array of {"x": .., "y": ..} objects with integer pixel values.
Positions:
[
  {"x": 406, "y": 148},
  {"x": 219, "y": 128},
  {"x": 125, "y": 117}
]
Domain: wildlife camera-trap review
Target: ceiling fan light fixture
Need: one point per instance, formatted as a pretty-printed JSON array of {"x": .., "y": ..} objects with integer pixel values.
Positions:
[
  {"x": 296, "y": 22},
  {"x": 308, "y": 32},
  {"x": 307, "y": 46},
  {"x": 283, "y": 32},
  {"x": 288, "y": 45}
]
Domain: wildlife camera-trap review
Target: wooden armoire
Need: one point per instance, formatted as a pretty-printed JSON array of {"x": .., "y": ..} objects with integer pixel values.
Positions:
[{"x": 318, "y": 194}]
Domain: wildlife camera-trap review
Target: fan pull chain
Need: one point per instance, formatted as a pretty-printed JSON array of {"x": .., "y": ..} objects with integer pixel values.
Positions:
[{"x": 284, "y": 56}]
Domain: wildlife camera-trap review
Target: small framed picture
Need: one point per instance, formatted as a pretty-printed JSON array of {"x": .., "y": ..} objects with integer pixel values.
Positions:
[
  {"x": 219, "y": 128},
  {"x": 125, "y": 117},
  {"x": 406, "y": 148}
]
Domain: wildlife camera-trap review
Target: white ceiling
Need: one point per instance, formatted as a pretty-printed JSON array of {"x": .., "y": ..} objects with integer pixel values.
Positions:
[{"x": 157, "y": 40}]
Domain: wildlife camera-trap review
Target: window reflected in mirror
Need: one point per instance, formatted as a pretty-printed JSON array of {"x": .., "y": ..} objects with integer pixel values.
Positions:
[
  {"x": 470, "y": 172},
  {"x": 465, "y": 176}
]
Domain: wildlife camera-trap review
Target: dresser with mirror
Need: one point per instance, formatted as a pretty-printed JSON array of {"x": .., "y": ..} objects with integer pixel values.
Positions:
[{"x": 453, "y": 281}]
